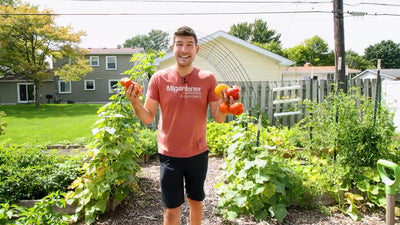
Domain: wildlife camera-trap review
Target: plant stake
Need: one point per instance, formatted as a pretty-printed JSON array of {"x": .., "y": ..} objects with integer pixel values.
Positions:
[{"x": 390, "y": 187}]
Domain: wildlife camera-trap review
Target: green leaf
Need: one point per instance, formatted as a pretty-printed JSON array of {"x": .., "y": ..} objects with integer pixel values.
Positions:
[
  {"x": 261, "y": 178},
  {"x": 261, "y": 214},
  {"x": 240, "y": 201},
  {"x": 259, "y": 189},
  {"x": 280, "y": 187},
  {"x": 9, "y": 213},
  {"x": 260, "y": 163},
  {"x": 231, "y": 215},
  {"x": 353, "y": 213},
  {"x": 269, "y": 190},
  {"x": 278, "y": 211},
  {"x": 248, "y": 185},
  {"x": 363, "y": 186},
  {"x": 102, "y": 202}
]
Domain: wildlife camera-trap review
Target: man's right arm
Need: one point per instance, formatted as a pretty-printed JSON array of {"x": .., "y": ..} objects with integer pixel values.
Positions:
[{"x": 147, "y": 112}]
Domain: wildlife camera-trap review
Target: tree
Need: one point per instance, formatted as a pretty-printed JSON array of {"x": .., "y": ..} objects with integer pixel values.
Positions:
[
  {"x": 154, "y": 41},
  {"x": 28, "y": 41},
  {"x": 262, "y": 33},
  {"x": 271, "y": 46},
  {"x": 387, "y": 51},
  {"x": 8, "y": 2},
  {"x": 355, "y": 61},
  {"x": 241, "y": 30},
  {"x": 257, "y": 32},
  {"x": 314, "y": 50}
]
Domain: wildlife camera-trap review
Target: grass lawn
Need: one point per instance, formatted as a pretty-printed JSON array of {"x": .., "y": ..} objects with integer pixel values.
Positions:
[{"x": 49, "y": 124}]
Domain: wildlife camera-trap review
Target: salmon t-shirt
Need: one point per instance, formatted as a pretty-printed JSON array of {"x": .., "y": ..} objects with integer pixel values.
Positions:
[{"x": 184, "y": 105}]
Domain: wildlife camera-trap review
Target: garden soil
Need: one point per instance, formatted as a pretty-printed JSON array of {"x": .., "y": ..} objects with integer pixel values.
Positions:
[{"x": 144, "y": 207}]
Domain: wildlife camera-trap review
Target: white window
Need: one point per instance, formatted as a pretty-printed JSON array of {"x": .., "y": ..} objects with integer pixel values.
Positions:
[
  {"x": 111, "y": 62},
  {"x": 26, "y": 92},
  {"x": 111, "y": 85},
  {"x": 94, "y": 61},
  {"x": 90, "y": 85},
  {"x": 64, "y": 86}
]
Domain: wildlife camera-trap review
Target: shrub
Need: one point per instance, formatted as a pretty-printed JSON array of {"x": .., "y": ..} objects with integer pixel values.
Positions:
[
  {"x": 32, "y": 173},
  {"x": 148, "y": 141},
  {"x": 41, "y": 213},
  {"x": 219, "y": 137},
  {"x": 2, "y": 123}
]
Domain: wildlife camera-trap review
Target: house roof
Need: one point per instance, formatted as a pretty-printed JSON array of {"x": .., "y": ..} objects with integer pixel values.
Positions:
[
  {"x": 390, "y": 73},
  {"x": 314, "y": 69},
  {"x": 9, "y": 77},
  {"x": 113, "y": 51},
  {"x": 282, "y": 60}
]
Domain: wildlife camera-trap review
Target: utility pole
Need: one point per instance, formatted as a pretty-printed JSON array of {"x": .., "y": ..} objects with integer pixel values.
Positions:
[{"x": 340, "y": 64}]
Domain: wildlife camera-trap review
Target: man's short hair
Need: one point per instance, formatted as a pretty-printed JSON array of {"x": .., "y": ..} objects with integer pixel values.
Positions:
[{"x": 185, "y": 31}]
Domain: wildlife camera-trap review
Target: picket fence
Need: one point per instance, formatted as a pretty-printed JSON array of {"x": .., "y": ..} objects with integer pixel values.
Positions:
[{"x": 280, "y": 101}]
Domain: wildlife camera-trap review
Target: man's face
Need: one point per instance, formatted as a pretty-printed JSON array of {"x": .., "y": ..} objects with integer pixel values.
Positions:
[{"x": 185, "y": 50}]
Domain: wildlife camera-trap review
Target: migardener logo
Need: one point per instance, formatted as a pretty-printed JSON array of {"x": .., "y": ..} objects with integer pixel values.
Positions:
[{"x": 188, "y": 92}]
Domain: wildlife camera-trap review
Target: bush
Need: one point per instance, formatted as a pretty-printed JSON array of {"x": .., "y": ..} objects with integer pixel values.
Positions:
[
  {"x": 219, "y": 137},
  {"x": 41, "y": 213},
  {"x": 2, "y": 123},
  {"x": 32, "y": 173},
  {"x": 148, "y": 141}
]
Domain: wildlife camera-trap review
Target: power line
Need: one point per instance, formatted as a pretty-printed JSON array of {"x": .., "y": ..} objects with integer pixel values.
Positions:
[
  {"x": 373, "y": 3},
  {"x": 370, "y": 14},
  {"x": 162, "y": 14},
  {"x": 217, "y": 1},
  {"x": 350, "y": 13}
]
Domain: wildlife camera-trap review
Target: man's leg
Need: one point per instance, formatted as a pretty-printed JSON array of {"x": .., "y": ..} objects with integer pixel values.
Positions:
[
  {"x": 172, "y": 216},
  {"x": 196, "y": 172},
  {"x": 196, "y": 211},
  {"x": 172, "y": 192}
]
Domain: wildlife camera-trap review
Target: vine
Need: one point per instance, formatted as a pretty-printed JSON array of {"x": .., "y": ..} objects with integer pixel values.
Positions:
[{"x": 109, "y": 172}]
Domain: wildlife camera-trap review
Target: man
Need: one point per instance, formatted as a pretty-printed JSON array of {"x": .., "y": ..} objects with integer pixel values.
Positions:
[{"x": 183, "y": 93}]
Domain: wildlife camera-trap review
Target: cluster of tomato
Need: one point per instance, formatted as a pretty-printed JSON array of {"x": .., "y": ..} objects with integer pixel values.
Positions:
[
  {"x": 236, "y": 108},
  {"x": 126, "y": 82}
]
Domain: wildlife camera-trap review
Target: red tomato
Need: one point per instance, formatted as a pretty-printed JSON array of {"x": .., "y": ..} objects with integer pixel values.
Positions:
[
  {"x": 224, "y": 107},
  {"x": 126, "y": 82},
  {"x": 234, "y": 92},
  {"x": 236, "y": 108}
]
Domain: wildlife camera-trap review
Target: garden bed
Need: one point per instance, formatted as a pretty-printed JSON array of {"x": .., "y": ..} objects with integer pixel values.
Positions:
[{"x": 145, "y": 207}]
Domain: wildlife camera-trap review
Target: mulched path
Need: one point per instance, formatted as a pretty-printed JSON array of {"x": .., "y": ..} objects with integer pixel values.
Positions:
[{"x": 144, "y": 208}]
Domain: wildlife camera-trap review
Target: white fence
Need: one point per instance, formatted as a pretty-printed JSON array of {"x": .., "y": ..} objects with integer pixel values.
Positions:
[
  {"x": 279, "y": 100},
  {"x": 391, "y": 95}
]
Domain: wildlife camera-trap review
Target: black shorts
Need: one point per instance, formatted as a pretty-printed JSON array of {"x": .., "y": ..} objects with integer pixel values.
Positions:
[{"x": 174, "y": 172}]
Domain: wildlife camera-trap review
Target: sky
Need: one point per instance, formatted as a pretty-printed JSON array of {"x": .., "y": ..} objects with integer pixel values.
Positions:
[{"x": 295, "y": 20}]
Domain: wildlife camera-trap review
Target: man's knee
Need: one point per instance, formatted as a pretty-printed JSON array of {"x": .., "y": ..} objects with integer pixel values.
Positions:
[{"x": 172, "y": 215}]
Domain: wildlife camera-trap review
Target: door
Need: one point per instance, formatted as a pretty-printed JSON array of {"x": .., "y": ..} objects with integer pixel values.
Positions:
[{"x": 26, "y": 93}]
